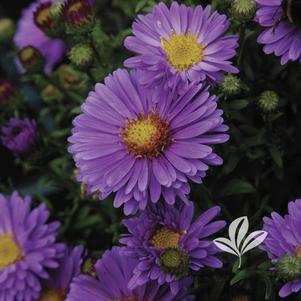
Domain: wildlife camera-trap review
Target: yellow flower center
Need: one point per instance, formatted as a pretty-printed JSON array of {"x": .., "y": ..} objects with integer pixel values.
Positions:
[
  {"x": 42, "y": 15},
  {"x": 53, "y": 295},
  {"x": 146, "y": 136},
  {"x": 183, "y": 51},
  {"x": 10, "y": 251},
  {"x": 165, "y": 238},
  {"x": 298, "y": 252},
  {"x": 74, "y": 7},
  {"x": 27, "y": 54}
]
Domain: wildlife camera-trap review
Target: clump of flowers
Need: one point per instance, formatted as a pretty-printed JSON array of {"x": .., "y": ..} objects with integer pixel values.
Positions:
[
  {"x": 29, "y": 34},
  {"x": 190, "y": 48},
  {"x": 20, "y": 135},
  {"x": 283, "y": 246},
  {"x": 168, "y": 244},
  {"x": 27, "y": 247}
]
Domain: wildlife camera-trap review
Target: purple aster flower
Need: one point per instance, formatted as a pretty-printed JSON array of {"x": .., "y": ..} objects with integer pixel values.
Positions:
[
  {"x": 282, "y": 34},
  {"x": 183, "y": 43},
  {"x": 58, "y": 285},
  {"x": 20, "y": 136},
  {"x": 167, "y": 243},
  {"x": 114, "y": 272},
  {"x": 29, "y": 34},
  {"x": 27, "y": 248},
  {"x": 283, "y": 245},
  {"x": 128, "y": 142}
]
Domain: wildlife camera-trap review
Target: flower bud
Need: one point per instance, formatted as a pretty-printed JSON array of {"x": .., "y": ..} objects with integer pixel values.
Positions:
[
  {"x": 72, "y": 79},
  {"x": 7, "y": 91},
  {"x": 7, "y": 29},
  {"x": 289, "y": 267},
  {"x": 81, "y": 55},
  {"x": 52, "y": 94},
  {"x": 243, "y": 9},
  {"x": 268, "y": 101},
  {"x": 231, "y": 85},
  {"x": 31, "y": 59}
]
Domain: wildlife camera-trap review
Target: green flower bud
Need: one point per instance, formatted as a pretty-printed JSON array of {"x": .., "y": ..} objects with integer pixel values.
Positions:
[
  {"x": 55, "y": 10},
  {"x": 52, "y": 94},
  {"x": 244, "y": 9},
  {"x": 268, "y": 101},
  {"x": 81, "y": 55},
  {"x": 7, "y": 29},
  {"x": 174, "y": 261},
  {"x": 231, "y": 85},
  {"x": 289, "y": 267}
]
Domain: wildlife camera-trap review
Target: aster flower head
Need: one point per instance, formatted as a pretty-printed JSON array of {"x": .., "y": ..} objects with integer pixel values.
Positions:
[
  {"x": 114, "y": 272},
  {"x": 283, "y": 245},
  {"x": 29, "y": 34},
  {"x": 282, "y": 34},
  {"x": 128, "y": 142},
  {"x": 168, "y": 243},
  {"x": 57, "y": 286},
  {"x": 27, "y": 248},
  {"x": 181, "y": 43},
  {"x": 20, "y": 135}
]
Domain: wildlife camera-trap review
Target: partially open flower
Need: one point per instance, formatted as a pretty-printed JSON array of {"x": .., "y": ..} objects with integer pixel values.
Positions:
[
  {"x": 20, "y": 136},
  {"x": 52, "y": 94},
  {"x": 77, "y": 15},
  {"x": 31, "y": 59},
  {"x": 72, "y": 79},
  {"x": 7, "y": 91},
  {"x": 44, "y": 19}
]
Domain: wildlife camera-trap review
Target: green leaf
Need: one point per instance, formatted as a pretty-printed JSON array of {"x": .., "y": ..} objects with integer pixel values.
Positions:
[
  {"x": 241, "y": 275},
  {"x": 238, "y": 104},
  {"x": 238, "y": 186},
  {"x": 140, "y": 5},
  {"x": 277, "y": 156}
]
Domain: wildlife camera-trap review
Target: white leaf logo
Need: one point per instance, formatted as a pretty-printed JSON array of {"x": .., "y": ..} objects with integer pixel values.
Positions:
[{"x": 239, "y": 243}]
